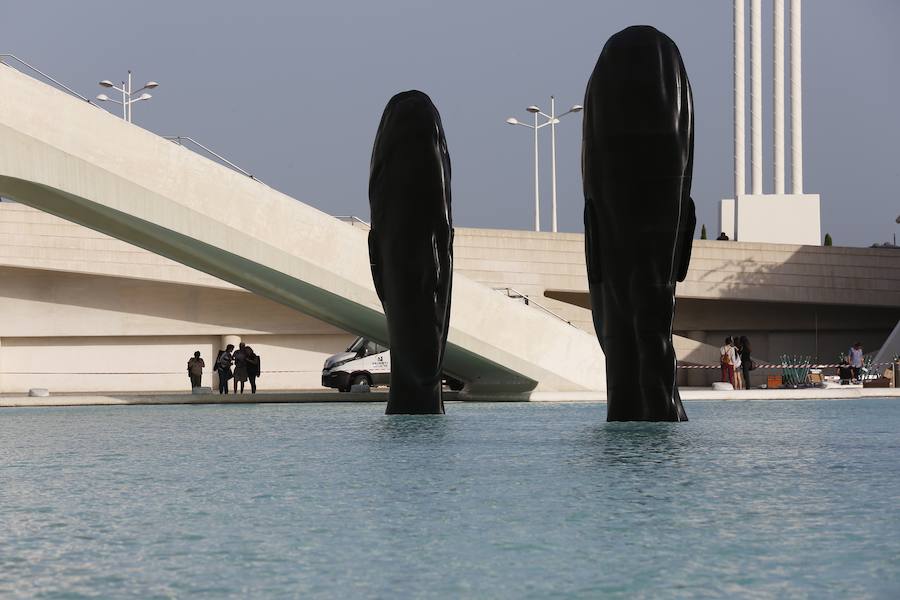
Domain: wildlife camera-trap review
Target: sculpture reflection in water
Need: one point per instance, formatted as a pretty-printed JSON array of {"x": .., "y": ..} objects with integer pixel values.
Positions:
[
  {"x": 411, "y": 247},
  {"x": 637, "y": 161}
]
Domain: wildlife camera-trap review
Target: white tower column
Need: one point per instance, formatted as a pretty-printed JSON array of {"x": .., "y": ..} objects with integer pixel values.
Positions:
[
  {"x": 756, "y": 154},
  {"x": 796, "y": 102},
  {"x": 778, "y": 100},
  {"x": 740, "y": 140}
]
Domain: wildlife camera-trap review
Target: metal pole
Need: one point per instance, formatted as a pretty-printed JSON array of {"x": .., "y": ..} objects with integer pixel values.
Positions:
[
  {"x": 553, "y": 154},
  {"x": 756, "y": 167},
  {"x": 124, "y": 102},
  {"x": 129, "y": 96},
  {"x": 778, "y": 101},
  {"x": 537, "y": 189},
  {"x": 740, "y": 140},
  {"x": 796, "y": 101}
]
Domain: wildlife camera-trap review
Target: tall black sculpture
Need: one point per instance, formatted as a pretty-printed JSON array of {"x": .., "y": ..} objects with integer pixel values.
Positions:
[
  {"x": 637, "y": 161},
  {"x": 411, "y": 247}
]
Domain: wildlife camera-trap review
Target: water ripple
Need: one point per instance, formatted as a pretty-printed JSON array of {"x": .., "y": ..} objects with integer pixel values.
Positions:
[{"x": 751, "y": 499}]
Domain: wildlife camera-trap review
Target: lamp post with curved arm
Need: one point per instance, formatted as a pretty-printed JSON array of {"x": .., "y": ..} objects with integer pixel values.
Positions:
[
  {"x": 552, "y": 120},
  {"x": 537, "y": 190},
  {"x": 127, "y": 95}
]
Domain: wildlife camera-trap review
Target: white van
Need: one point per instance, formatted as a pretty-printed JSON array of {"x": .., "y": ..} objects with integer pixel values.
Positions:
[{"x": 364, "y": 362}]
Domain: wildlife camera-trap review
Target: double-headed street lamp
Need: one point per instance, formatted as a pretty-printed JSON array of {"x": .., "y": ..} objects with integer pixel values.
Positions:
[
  {"x": 552, "y": 120},
  {"x": 127, "y": 95},
  {"x": 537, "y": 189}
]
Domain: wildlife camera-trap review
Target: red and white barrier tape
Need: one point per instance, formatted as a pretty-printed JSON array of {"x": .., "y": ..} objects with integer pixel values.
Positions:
[{"x": 777, "y": 366}]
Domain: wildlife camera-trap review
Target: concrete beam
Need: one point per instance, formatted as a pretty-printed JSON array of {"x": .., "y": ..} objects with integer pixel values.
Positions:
[{"x": 65, "y": 157}]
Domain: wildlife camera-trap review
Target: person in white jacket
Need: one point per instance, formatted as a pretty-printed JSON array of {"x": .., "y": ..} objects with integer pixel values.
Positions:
[{"x": 738, "y": 373}]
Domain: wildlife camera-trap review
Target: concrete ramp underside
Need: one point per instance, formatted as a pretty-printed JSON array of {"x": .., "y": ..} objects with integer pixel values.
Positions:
[{"x": 66, "y": 157}]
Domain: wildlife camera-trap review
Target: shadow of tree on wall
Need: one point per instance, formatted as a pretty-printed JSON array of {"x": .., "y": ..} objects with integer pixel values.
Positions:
[
  {"x": 787, "y": 299},
  {"x": 807, "y": 300}
]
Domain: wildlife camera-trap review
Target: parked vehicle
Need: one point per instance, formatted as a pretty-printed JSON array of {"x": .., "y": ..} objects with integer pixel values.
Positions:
[{"x": 364, "y": 362}]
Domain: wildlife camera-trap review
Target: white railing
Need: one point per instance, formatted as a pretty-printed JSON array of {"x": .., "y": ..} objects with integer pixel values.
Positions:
[
  {"x": 517, "y": 295},
  {"x": 353, "y": 220},
  {"x": 178, "y": 139},
  {"x": 181, "y": 139},
  {"x": 58, "y": 84}
]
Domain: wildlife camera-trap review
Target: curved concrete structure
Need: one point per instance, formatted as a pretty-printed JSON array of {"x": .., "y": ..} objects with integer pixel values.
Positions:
[{"x": 65, "y": 157}]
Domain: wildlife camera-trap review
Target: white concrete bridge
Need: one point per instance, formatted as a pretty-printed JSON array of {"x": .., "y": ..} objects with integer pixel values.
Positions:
[{"x": 65, "y": 157}]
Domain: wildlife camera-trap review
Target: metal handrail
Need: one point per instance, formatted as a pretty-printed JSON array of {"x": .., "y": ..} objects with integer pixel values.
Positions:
[
  {"x": 514, "y": 293},
  {"x": 352, "y": 219},
  {"x": 178, "y": 139},
  {"x": 48, "y": 78}
]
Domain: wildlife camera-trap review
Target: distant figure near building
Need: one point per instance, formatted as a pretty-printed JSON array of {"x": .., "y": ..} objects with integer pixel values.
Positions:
[
  {"x": 252, "y": 361},
  {"x": 746, "y": 360},
  {"x": 738, "y": 364},
  {"x": 195, "y": 369},
  {"x": 856, "y": 356},
  {"x": 723, "y": 237},
  {"x": 726, "y": 359},
  {"x": 223, "y": 367},
  {"x": 845, "y": 371},
  {"x": 240, "y": 367}
]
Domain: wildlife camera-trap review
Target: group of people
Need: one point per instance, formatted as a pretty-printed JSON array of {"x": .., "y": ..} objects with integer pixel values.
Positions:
[
  {"x": 736, "y": 362},
  {"x": 246, "y": 368}
]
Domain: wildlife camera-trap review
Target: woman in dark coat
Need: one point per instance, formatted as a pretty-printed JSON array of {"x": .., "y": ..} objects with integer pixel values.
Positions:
[
  {"x": 240, "y": 367},
  {"x": 745, "y": 360},
  {"x": 252, "y": 367},
  {"x": 223, "y": 367}
]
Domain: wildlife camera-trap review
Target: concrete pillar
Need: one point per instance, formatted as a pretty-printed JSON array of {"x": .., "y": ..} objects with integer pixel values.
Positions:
[
  {"x": 2, "y": 389},
  {"x": 796, "y": 101},
  {"x": 740, "y": 141},
  {"x": 778, "y": 100},
  {"x": 756, "y": 166},
  {"x": 234, "y": 340}
]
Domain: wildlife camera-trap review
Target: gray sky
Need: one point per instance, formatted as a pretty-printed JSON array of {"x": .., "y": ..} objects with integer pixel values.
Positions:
[{"x": 293, "y": 91}]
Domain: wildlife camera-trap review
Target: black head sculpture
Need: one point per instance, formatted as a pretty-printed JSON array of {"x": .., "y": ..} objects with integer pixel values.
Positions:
[
  {"x": 637, "y": 161},
  {"x": 411, "y": 247}
]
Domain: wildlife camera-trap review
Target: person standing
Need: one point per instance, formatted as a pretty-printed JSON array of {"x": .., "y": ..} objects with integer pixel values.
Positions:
[
  {"x": 195, "y": 369},
  {"x": 746, "y": 360},
  {"x": 252, "y": 360},
  {"x": 856, "y": 355},
  {"x": 726, "y": 359},
  {"x": 240, "y": 367},
  {"x": 223, "y": 367},
  {"x": 737, "y": 365}
]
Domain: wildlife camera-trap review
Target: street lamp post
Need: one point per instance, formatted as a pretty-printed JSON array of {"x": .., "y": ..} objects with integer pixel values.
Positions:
[
  {"x": 552, "y": 120},
  {"x": 127, "y": 95},
  {"x": 537, "y": 190}
]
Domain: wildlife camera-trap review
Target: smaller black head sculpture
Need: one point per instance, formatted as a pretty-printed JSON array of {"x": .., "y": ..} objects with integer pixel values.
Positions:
[
  {"x": 411, "y": 247},
  {"x": 637, "y": 161}
]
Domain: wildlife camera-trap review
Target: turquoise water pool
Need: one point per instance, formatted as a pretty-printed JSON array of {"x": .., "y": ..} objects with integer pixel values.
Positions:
[{"x": 768, "y": 499}]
